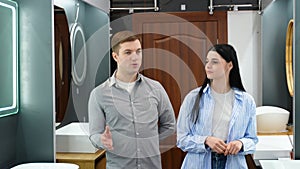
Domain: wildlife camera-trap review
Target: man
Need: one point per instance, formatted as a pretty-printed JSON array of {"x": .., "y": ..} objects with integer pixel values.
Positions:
[{"x": 129, "y": 113}]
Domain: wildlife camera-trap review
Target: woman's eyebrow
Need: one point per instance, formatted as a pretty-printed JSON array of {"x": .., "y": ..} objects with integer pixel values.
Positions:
[{"x": 213, "y": 59}]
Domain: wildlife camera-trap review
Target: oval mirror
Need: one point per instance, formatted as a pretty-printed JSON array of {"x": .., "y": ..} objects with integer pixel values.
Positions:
[
  {"x": 289, "y": 57},
  {"x": 79, "y": 54}
]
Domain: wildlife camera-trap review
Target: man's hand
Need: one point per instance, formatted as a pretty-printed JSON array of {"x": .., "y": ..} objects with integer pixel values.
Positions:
[
  {"x": 216, "y": 144},
  {"x": 233, "y": 147},
  {"x": 106, "y": 139}
]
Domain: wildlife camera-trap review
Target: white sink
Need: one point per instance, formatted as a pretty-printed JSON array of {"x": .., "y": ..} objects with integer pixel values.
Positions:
[
  {"x": 46, "y": 166},
  {"x": 272, "y": 147},
  {"x": 271, "y": 119},
  {"x": 280, "y": 164},
  {"x": 74, "y": 137}
]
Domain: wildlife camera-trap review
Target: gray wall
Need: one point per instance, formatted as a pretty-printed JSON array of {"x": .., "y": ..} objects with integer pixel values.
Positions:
[
  {"x": 28, "y": 135},
  {"x": 274, "y": 25},
  {"x": 35, "y": 127},
  {"x": 8, "y": 130},
  {"x": 297, "y": 79}
]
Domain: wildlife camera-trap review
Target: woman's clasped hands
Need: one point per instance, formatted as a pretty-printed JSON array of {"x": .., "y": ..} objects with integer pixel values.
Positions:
[{"x": 219, "y": 146}]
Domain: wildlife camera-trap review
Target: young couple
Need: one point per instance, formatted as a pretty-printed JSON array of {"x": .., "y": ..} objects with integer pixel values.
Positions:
[{"x": 129, "y": 113}]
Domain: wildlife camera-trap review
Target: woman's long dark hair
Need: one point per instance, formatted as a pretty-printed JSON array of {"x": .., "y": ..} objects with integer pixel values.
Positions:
[{"x": 228, "y": 53}]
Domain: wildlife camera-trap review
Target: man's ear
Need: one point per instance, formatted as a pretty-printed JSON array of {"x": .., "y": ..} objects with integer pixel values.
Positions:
[{"x": 115, "y": 56}]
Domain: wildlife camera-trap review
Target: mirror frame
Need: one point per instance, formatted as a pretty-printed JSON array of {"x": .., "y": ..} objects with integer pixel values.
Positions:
[
  {"x": 289, "y": 57},
  {"x": 14, "y": 107},
  {"x": 76, "y": 29}
]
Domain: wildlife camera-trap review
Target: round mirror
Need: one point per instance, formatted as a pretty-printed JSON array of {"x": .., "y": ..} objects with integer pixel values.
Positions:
[
  {"x": 79, "y": 55},
  {"x": 289, "y": 57}
]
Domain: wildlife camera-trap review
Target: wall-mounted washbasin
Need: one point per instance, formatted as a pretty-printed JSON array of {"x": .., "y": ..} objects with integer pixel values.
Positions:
[
  {"x": 272, "y": 147},
  {"x": 280, "y": 164},
  {"x": 74, "y": 137},
  {"x": 46, "y": 166},
  {"x": 271, "y": 119}
]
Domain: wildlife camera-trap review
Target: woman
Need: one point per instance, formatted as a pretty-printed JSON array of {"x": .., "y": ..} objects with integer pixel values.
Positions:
[{"x": 217, "y": 121}]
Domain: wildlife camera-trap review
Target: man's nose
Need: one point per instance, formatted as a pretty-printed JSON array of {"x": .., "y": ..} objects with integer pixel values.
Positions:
[{"x": 134, "y": 56}]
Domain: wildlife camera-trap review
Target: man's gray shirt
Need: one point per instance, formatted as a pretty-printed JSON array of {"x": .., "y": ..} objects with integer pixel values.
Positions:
[{"x": 137, "y": 121}]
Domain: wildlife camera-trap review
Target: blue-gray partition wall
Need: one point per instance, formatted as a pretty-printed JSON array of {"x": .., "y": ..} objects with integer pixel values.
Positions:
[
  {"x": 296, "y": 79},
  {"x": 35, "y": 127},
  {"x": 28, "y": 135},
  {"x": 274, "y": 26}
]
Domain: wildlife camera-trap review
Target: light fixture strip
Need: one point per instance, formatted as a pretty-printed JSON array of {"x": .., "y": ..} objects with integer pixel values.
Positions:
[{"x": 14, "y": 44}]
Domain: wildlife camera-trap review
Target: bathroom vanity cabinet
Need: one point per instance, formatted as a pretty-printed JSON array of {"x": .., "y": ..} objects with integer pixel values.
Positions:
[{"x": 84, "y": 160}]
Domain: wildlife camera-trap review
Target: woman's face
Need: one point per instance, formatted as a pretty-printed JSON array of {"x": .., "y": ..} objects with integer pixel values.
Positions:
[{"x": 216, "y": 67}]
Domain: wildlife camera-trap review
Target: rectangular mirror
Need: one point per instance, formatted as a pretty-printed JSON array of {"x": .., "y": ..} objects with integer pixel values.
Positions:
[{"x": 9, "y": 57}]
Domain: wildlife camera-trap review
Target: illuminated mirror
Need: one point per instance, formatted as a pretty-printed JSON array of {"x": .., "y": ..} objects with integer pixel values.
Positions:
[
  {"x": 289, "y": 57},
  {"x": 9, "y": 58}
]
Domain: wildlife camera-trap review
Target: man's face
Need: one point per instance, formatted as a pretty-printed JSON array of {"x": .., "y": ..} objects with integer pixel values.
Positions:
[{"x": 129, "y": 58}]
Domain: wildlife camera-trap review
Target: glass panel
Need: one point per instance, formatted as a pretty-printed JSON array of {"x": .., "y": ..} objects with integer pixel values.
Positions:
[{"x": 9, "y": 59}]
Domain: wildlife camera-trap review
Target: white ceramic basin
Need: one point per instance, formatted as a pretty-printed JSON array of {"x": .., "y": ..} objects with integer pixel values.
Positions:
[
  {"x": 74, "y": 137},
  {"x": 46, "y": 166},
  {"x": 272, "y": 147},
  {"x": 271, "y": 119},
  {"x": 280, "y": 164}
]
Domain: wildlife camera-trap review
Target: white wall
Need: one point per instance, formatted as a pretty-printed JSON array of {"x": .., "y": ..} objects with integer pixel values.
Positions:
[{"x": 244, "y": 34}]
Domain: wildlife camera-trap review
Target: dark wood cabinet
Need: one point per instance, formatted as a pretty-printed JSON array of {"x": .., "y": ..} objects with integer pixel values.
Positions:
[
  {"x": 62, "y": 63},
  {"x": 174, "y": 52}
]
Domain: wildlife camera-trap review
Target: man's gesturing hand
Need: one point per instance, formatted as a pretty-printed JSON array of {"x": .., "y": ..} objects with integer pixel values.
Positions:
[{"x": 106, "y": 139}]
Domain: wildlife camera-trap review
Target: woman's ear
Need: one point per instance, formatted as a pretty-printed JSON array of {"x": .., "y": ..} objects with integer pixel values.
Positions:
[{"x": 230, "y": 65}]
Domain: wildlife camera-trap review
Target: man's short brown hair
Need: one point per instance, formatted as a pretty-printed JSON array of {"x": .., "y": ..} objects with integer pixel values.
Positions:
[{"x": 122, "y": 37}]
